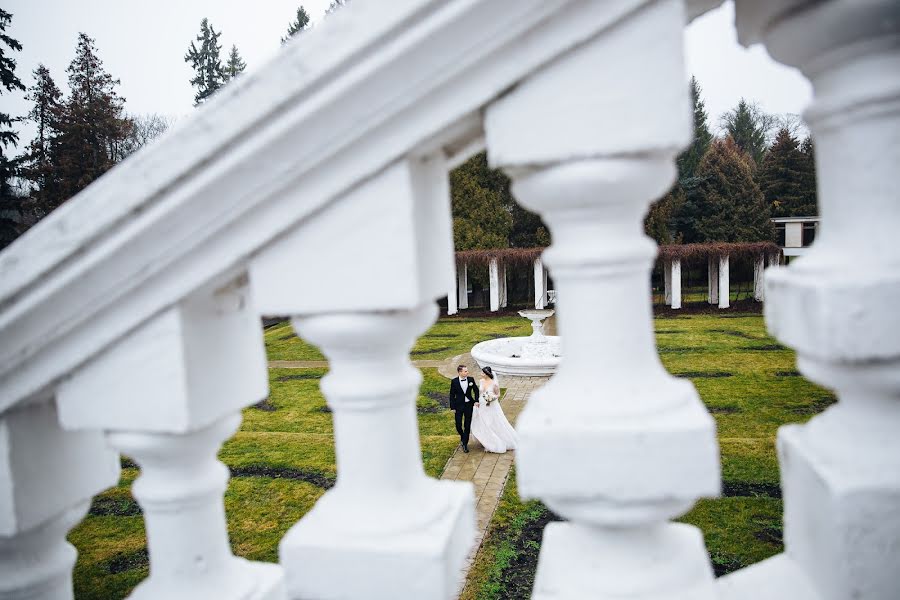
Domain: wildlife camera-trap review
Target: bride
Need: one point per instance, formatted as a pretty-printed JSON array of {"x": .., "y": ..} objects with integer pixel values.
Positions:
[{"x": 489, "y": 424}]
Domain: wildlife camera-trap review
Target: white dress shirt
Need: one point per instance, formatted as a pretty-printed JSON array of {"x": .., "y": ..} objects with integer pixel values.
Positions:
[{"x": 464, "y": 383}]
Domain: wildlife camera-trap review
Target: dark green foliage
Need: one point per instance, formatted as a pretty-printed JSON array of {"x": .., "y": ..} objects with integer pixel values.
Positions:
[
  {"x": 11, "y": 203},
  {"x": 235, "y": 65},
  {"x": 91, "y": 125},
  {"x": 690, "y": 159},
  {"x": 660, "y": 220},
  {"x": 335, "y": 5},
  {"x": 809, "y": 197},
  {"x": 480, "y": 218},
  {"x": 8, "y": 80},
  {"x": 781, "y": 177},
  {"x": 37, "y": 165},
  {"x": 748, "y": 126},
  {"x": 209, "y": 74},
  {"x": 733, "y": 208},
  {"x": 299, "y": 24}
]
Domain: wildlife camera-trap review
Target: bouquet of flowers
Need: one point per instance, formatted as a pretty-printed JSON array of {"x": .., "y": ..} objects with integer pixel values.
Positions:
[{"x": 489, "y": 397}]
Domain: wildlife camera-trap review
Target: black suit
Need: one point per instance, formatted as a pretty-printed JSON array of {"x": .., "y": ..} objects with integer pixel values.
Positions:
[{"x": 463, "y": 408}]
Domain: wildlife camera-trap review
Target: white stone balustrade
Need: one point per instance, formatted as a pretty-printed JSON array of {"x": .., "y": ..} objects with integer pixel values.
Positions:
[
  {"x": 168, "y": 395},
  {"x": 837, "y": 307},
  {"x": 47, "y": 478},
  {"x": 653, "y": 444}
]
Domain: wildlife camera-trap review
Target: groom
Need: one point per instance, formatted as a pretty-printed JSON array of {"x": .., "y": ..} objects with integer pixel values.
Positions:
[{"x": 463, "y": 398}]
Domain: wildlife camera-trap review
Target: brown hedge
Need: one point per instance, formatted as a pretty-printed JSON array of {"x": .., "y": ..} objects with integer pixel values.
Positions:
[{"x": 683, "y": 252}]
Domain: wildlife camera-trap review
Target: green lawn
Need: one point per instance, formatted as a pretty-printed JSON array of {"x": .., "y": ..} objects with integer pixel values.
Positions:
[
  {"x": 282, "y": 458},
  {"x": 748, "y": 381}
]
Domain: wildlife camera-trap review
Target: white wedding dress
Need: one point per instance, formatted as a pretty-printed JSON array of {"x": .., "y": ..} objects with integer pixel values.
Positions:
[{"x": 489, "y": 424}]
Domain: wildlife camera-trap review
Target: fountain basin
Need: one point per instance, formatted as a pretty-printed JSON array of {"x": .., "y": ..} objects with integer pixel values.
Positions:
[
  {"x": 519, "y": 356},
  {"x": 532, "y": 356}
]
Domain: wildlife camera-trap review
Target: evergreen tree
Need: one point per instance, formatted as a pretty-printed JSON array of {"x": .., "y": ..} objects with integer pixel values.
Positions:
[
  {"x": 10, "y": 202},
  {"x": 690, "y": 158},
  {"x": 660, "y": 220},
  {"x": 748, "y": 126},
  {"x": 734, "y": 209},
  {"x": 235, "y": 65},
  {"x": 92, "y": 124},
  {"x": 809, "y": 204},
  {"x": 480, "y": 218},
  {"x": 335, "y": 4},
  {"x": 781, "y": 174},
  {"x": 209, "y": 74},
  {"x": 38, "y": 161},
  {"x": 299, "y": 24}
]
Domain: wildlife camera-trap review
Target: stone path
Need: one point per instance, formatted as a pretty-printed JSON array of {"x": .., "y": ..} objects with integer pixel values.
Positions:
[{"x": 488, "y": 471}]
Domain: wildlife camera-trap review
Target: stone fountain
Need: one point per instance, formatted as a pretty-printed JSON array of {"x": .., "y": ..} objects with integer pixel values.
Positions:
[{"x": 532, "y": 356}]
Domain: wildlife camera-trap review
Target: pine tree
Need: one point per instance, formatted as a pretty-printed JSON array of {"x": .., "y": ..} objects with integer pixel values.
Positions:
[
  {"x": 733, "y": 207},
  {"x": 92, "y": 123},
  {"x": 45, "y": 114},
  {"x": 10, "y": 202},
  {"x": 209, "y": 74},
  {"x": 690, "y": 158},
  {"x": 299, "y": 24},
  {"x": 480, "y": 218},
  {"x": 659, "y": 223},
  {"x": 335, "y": 5},
  {"x": 235, "y": 65},
  {"x": 809, "y": 204},
  {"x": 748, "y": 126},
  {"x": 781, "y": 174}
]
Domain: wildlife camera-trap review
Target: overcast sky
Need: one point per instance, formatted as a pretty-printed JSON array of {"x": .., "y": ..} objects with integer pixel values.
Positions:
[{"x": 143, "y": 44}]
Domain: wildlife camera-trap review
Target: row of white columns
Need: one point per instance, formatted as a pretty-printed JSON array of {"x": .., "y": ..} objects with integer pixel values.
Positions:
[
  {"x": 458, "y": 296},
  {"x": 718, "y": 280}
]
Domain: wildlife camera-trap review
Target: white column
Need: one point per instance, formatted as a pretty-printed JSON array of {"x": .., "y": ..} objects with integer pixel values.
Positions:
[
  {"x": 675, "y": 266},
  {"x": 494, "y": 285},
  {"x": 452, "y": 307},
  {"x": 667, "y": 282},
  {"x": 759, "y": 267},
  {"x": 47, "y": 479},
  {"x": 462, "y": 285},
  {"x": 837, "y": 305},
  {"x": 385, "y": 526},
  {"x": 168, "y": 395},
  {"x": 712, "y": 277},
  {"x": 502, "y": 280},
  {"x": 724, "y": 287},
  {"x": 612, "y": 397},
  {"x": 540, "y": 284}
]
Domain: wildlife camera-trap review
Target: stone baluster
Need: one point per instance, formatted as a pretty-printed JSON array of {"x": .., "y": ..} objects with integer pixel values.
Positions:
[
  {"x": 613, "y": 442},
  {"x": 168, "y": 395},
  {"x": 47, "y": 478},
  {"x": 837, "y": 306},
  {"x": 385, "y": 530}
]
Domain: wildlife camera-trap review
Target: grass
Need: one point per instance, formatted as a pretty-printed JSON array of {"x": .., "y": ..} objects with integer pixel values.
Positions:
[
  {"x": 749, "y": 384},
  {"x": 282, "y": 459}
]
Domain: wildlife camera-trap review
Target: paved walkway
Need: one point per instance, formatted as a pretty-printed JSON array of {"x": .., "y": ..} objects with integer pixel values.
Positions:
[{"x": 486, "y": 470}]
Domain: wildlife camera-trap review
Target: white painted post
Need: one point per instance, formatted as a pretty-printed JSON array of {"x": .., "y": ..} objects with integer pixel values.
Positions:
[
  {"x": 724, "y": 288},
  {"x": 47, "y": 479},
  {"x": 667, "y": 282},
  {"x": 611, "y": 397},
  {"x": 385, "y": 530},
  {"x": 390, "y": 523},
  {"x": 759, "y": 288},
  {"x": 494, "y": 285},
  {"x": 452, "y": 307},
  {"x": 168, "y": 395},
  {"x": 712, "y": 276},
  {"x": 504, "y": 299},
  {"x": 462, "y": 285},
  {"x": 837, "y": 307},
  {"x": 540, "y": 283},
  {"x": 676, "y": 282}
]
